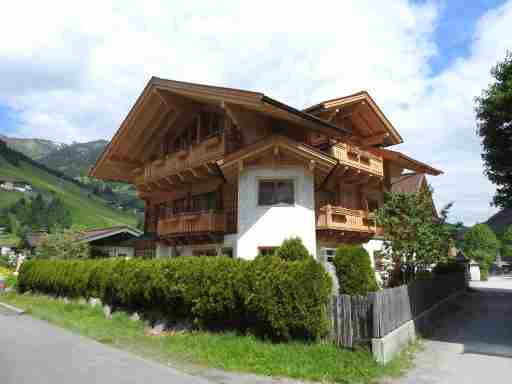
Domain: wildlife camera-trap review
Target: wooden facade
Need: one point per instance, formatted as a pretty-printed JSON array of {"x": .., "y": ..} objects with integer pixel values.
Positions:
[{"x": 183, "y": 146}]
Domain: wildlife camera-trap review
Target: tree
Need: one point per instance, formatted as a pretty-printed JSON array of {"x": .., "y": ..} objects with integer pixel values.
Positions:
[
  {"x": 506, "y": 243},
  {"x": 481, "y": 245},
  {"x": 63, "y": 244},
  {"x": 413, "y": 232},
  {"x": 354, "y": 270},
  {"x": 494, "y": 115},
  {"x": 292, "y": 250}
]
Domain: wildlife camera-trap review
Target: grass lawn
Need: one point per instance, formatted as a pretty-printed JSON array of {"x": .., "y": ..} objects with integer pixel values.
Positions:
[{"x": 229, "y": 351}]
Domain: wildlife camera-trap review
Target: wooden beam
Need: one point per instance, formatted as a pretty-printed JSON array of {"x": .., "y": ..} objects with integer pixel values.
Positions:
[
  {"x": 193, "y": 172},
  {"x": 166, "y": 119},
  {"x": 209, "y": 169},
  {"x": 375, "y": 139},
  {"x": 115, "y": 158}
]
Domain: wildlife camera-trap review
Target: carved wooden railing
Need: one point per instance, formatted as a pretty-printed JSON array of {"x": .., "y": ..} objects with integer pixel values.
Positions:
[
  {"x": 358, "y": 158},
  {"x": 332, "y": 217},
  {"x": 193, "y": 223},
  {"x": 199, "y": 154}
]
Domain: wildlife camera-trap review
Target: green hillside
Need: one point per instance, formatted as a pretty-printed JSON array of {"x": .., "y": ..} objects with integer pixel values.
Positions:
[
  {"x": 75, "y": 159},
  {"x": 86, "y": 208},
  {"x": 33, "y": 148}
]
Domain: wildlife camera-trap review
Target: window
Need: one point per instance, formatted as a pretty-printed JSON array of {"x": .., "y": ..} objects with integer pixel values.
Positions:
[
  {"x": 204, "y": 202},
  {"x": 204, "y": 252},
  {"x": 266, "y": 251},
  {"x": 275, "y": 192},
  {"x": 227, "y": 252},
  {"x": 179, "y": 206},
  {"x": 373, "y": 204},
  {"x": 211, "y": 124}
]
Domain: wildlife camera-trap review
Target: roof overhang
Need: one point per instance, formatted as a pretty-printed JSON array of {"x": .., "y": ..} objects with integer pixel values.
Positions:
[
  {"x": 109, "y": 233},
  {"x": 319, "y": 163},
  {"x": 160, "y": 103},
  {"x": 363, "y": 98},
  {"x": 405, "y": 161}
]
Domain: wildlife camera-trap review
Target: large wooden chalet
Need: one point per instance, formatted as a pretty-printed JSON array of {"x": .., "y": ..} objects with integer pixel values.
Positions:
[{"x": 228, "y": 171}]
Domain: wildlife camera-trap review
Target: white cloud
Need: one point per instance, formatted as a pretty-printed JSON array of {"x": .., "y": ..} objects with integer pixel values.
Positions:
[{"x": 72, "y": 70}]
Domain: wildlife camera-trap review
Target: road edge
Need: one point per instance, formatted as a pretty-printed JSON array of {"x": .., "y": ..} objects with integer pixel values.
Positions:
[{"x": 11, "y": 308}]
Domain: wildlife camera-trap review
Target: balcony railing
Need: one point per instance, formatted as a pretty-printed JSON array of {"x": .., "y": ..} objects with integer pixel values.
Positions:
[
  {"x": 192, "y": 223},
  {"x": 358, "y": 158},
  {"x": 206, "y": 151},
  {"x": 339, "y": 218}
]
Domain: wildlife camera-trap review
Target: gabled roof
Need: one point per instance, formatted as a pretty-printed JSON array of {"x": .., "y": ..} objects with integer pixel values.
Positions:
[
  {"x": 101, "y": 233},
  {"x": 405, "y": 161},
  {"x": 409, "y": 183},
  {"x": 361, "y": 98},
  {"x": 162, "y": 101}
]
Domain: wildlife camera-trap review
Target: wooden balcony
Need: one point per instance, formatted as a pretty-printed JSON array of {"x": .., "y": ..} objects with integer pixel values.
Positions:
[
  {"x": 343, "y": 219},
  {"x": 185, "y": 162},
  {"x": 357, "y": 158},
  {"x": 193, "y": 223}
]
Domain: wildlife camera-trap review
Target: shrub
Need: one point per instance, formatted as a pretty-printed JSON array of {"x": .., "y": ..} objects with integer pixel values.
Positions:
[
  {"x": 288, "y": 299},
  {"x": 274, "y": 297},
  {"x": 63, "y": 245},
  {"x": 11, "y": 281},
  {"x": 354, "y": 270},
  {"x": 448, "y": 267},
  {"x": 292, "y": 249},
  {"x": 423, "y": 275}
]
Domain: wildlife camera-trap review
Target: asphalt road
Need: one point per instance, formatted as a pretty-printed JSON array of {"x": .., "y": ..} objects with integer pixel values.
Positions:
[
  {"x": 35, "y": 352},
  {"x": 473, "y": 344}
]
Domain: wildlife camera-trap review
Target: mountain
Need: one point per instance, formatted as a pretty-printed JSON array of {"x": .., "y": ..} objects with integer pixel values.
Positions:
[
  {"x": 75, "y": 159},
  {"x": 33, "y": 148},
  {"x": 500, "y": 220},
  {"x": 87, "y": 208}
]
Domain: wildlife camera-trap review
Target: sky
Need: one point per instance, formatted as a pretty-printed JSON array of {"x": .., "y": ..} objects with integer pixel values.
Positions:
[{"x": 71, "y": 71}]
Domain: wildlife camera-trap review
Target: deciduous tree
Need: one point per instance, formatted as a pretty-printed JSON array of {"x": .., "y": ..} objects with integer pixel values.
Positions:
[
  {"x": 414, "y": 233},
  {"x": 494, "y": 114},
  {"x": 481, "y": 245}
]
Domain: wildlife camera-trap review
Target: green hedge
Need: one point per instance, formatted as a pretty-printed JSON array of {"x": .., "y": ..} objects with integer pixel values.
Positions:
[
  {"x": 271, "y": 296},
  {"x": 448, "y": 267},
  {"x": 354, "y": 270}
]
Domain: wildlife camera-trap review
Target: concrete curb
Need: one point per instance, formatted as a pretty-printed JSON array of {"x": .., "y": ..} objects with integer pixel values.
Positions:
[
  {"x": 11, "y": 308},
  {"x": 387, "y": 347}
]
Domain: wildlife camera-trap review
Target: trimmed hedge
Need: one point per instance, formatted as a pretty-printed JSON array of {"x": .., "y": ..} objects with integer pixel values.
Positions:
[
  {"x": 270, "y": 296},
  {"x": 448, "y": 267},
  {"x": 354, "y": 270},
  {"x": 293, "y": 249}
]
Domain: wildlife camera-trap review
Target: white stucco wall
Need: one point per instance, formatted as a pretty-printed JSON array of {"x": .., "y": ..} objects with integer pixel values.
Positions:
[
  {"x": 372, "y": 246},
  {"x": 268, "y": 226}
]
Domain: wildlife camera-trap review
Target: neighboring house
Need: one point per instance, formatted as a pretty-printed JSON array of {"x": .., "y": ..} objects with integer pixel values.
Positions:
[
  {"x": 34, "y": 239},
  {"x": 116, "y": 241},
  {"x": 6, "y": 185},
  {"x": 112, "y": 242},
  {"x": 227, "y": 171},
  {"x": 7, "y": 249},
  {"x": 20, "y": 186}
]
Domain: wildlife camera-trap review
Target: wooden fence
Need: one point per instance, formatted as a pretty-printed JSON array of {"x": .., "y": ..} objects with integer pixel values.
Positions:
[{"x": 358, "y": 319}]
